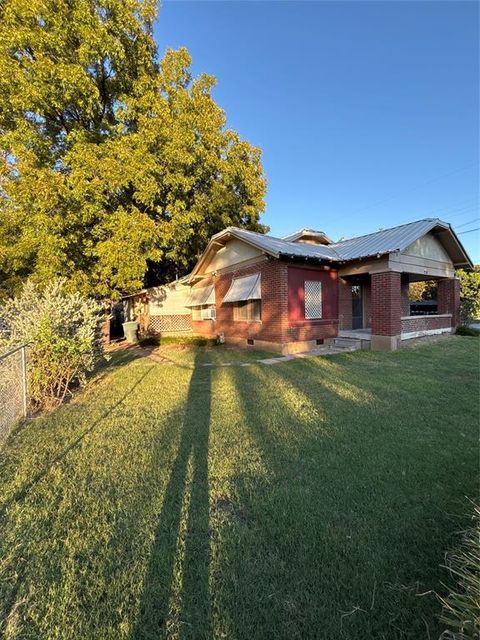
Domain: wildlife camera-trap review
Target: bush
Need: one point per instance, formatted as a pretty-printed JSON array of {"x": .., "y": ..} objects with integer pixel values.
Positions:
[
  {"x": 461, "y": 608},
  {"x": 470, "y": 288},
  {"x": 63, "y": 333},
  {"x": 177, "y": 341},
  {"x": 468, "y": 310},
  {"x": 467, "y": 331}
]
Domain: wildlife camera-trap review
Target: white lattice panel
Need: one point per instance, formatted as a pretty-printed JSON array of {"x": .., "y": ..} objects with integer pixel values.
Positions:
[
  {"x": 313, "y": 299},
  {"x": 169, "y": 324}
]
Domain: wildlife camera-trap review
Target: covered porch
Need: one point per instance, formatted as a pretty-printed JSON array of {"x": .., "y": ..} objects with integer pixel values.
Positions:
[{"x": 375, "y": 308}]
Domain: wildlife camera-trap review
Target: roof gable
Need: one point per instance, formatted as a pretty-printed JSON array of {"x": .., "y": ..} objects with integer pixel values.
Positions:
[
  {"x": 398, "y": 239},
  {"x": 309, "y": 236},
  {"x": 385, "y": 241}
]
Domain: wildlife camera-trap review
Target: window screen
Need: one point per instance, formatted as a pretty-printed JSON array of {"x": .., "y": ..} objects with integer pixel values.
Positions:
[
  {"x": 313, "y": 299},
  {"x": 247, "y": 310}
]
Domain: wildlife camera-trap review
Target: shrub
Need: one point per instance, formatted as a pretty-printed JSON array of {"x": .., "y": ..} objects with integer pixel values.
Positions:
[
  {"x": 63, "y": 333},
  {"x": 150, "y": 341},
  {"x": 468, "y": 310},
  {"x": 467, "y": 331},
  {"x": 470, "y": 288},
  {"x": 461, "y": 608},
  {"x": 178, "y": 341}
]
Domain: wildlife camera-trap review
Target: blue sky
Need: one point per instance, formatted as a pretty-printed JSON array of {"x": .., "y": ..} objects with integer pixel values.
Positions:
[{"x": 366, "y": 112}]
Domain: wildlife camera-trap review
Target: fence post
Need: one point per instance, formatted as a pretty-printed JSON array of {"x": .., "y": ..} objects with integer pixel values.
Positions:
[{"x": 24, "y": 381}]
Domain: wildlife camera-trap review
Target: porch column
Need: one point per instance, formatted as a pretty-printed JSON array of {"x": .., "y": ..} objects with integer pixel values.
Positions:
[
  {"x": 386, "y": 311},
  {"x": 448, "y": 298}
]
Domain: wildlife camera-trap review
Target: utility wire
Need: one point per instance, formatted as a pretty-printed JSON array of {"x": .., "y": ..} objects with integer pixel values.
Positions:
[
  {"x": 419, "y": 186},
  {"x": 464, "y": 224},
  {"x": 469, "y": 231}
]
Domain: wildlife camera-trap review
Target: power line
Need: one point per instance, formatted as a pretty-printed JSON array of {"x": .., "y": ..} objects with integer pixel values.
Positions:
[
  {"x": 470, "y": 231},
  {"x": 464, "y": 224},
  {"x": 465, "y": 211},
  {"x": 419, "y": 186},
  {"x": 457, "y": 207}
]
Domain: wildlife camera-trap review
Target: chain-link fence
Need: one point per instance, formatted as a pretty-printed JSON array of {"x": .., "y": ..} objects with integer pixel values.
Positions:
[{"x": 13, "y": 389}]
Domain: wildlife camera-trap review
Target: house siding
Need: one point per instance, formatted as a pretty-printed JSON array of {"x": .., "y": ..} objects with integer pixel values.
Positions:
[
  {"x": 279, "y": 324},
  {"x": 299, "y": 328},
  {"x": 272, "y": 326}
]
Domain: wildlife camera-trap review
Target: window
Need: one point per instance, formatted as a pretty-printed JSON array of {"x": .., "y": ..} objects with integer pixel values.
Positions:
[
  {"x": 313, "y": 299},
  {"x": 247, "y": 310},
  {"x": 196, "y": 313},
  {"x": 203, "y": 312}
]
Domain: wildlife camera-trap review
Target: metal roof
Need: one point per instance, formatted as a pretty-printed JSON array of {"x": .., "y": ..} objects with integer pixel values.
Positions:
[
  {"x": 385, "y": 240},
  {"x": 278, "y": 246},
  {"x": 379, "y": 243},
  {"x": 305, "y": 231}
]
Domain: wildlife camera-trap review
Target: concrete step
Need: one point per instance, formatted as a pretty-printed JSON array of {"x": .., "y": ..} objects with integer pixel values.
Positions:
[{"x": 348, "y": 343}]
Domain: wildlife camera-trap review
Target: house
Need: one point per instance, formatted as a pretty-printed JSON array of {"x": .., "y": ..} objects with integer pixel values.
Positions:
[
  {"x": 291, "y": 294},
  {"x": 161, "y": 309}
]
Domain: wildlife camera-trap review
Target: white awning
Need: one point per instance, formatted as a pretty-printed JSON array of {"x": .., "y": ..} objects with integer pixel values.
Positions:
[
  {"x": 201, "y": 296},
  {"x": 246, "y": 288}
]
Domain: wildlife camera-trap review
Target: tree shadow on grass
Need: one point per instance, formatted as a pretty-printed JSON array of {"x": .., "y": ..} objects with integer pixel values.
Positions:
[
  {"x": 176, "y": 594},
  {"x": 339, "y": 539},
  {"x": 21, "y": 493}
]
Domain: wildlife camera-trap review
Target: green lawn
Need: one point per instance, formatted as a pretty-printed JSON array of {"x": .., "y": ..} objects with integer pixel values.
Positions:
[
  {"x": 184, "y": 353},
  {"x": 309, "y": 499}
]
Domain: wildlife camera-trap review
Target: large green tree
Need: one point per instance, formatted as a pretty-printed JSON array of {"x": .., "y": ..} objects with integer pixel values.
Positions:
[{"x": 111, "y": 161}]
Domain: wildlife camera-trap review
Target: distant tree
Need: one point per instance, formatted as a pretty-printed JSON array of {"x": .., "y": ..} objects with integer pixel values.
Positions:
[
  {"x": 470, "y": 290},
  {"x": 110, "y": 161},
  {"x": 424, "y": 290}
]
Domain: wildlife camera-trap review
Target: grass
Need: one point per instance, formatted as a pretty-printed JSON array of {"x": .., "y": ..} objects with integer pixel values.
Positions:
[
  {"x": 309, "y": 499},
  {"x": 190, "y": 351},
  {"x": 461, "y": 608}
]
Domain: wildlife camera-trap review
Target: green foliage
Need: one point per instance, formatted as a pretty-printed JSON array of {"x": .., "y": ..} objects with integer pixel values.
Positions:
[
  {"x": 424, "y": 290},
  {"x": 470, "y": 290},
  {"x": 461, "y": 608},
  {"x": 467, "y": 331},
  {"x": 62, "y": 331},
  {"x": 110, "y": 161}
]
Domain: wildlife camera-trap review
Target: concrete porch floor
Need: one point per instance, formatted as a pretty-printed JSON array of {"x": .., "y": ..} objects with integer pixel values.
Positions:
[{"x": 356, "y": 334}]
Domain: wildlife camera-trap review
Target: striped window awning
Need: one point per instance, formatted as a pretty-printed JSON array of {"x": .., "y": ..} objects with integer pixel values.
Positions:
[
  {"x": 246, "y": 288},
  {"x": 201, "y": 296}
]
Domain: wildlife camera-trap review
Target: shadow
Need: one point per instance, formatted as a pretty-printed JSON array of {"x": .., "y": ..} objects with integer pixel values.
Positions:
[
  {"x": 180, "y": 555},
  {"x": 342, "y": 506},
  {"x": 21, "y": 493}
]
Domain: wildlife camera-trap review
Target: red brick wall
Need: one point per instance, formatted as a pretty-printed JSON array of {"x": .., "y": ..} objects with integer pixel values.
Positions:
[
  {"x": 405, "y": 298},
  {"x": 448, "y": 298},
  {"x": 300, "y": 328},
  {"x": 423, "y": 323},
  {"x": 275, "y": 325},
  {"x": 386, "y": 304},
  {"x": 274, "y": 321},
  {"x": 367, "y": 304},
  {"x": 344, "y": 304}
]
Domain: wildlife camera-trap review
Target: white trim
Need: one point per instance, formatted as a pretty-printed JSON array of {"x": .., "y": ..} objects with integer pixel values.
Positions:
[
  {"x": 425, "y": 332},
  {"x": 431, "y": 315}
]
